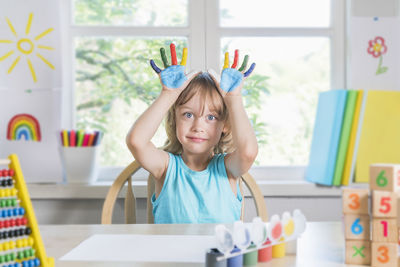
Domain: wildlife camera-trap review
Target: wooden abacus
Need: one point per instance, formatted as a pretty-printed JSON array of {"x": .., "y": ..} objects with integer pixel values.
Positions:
[{"x": 20, "y": 242}]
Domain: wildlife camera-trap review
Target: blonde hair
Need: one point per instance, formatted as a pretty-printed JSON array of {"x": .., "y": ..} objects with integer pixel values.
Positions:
[{"x": 204, "y": 85}]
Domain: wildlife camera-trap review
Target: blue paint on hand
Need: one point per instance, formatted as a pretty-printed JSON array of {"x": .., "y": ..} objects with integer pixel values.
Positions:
[
  {"x": 173, "y": 76},
  {"x": 230, "y": 79}
]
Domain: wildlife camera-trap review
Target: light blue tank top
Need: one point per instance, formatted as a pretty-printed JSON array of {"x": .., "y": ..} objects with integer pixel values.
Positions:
[{"x": 191, "y": 196}]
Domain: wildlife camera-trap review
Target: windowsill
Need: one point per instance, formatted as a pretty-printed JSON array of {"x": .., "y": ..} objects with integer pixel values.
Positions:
[{"x": 99, "y": 190}]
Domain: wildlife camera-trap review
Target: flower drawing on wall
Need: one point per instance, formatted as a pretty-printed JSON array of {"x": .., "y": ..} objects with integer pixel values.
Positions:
[{"x": 377, "y": 48}]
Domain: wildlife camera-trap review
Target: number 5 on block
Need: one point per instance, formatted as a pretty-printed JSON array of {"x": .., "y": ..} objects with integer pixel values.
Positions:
[
  {"x": 384, "y": 204},
  {"x": 356, "y": 227},
  {"x": 355, "y": 201}
]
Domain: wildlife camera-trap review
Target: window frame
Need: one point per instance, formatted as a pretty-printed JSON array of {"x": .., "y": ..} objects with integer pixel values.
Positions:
[{"x": 204, "y": 37}]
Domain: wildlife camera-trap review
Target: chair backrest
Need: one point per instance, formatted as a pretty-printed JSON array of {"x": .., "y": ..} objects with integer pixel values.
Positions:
[{"x": 130, "y": 202}]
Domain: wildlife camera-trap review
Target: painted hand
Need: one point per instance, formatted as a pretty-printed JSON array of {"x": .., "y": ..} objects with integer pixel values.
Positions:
[
  {"x": 231, "y": 79},
  {"x": 173, "y": 76}
]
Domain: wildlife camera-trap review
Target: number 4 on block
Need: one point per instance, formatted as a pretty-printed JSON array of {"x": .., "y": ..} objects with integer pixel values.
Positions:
[
  {"x": 384, "y": 204},
  {"x": 358, "y": 252},
  {"x": 355, "y": 201},
  {"x": 384, "y": 177}
]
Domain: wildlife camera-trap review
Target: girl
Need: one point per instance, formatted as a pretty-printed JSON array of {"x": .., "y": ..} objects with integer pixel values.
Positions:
[{"x": 210, "y": 143}]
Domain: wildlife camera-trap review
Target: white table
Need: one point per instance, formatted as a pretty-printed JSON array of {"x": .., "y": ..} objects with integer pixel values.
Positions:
[{"x": 321, "y": 245}]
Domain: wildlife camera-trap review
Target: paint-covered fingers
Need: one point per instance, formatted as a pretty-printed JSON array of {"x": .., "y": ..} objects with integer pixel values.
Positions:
[
  {"x": 154, "y": 66},
  {"x": 236, "y": 59},
  {"x": 184, "y": 56},
  {"x": 250, "y": 70},
  {"x": 174, "y": 59},
  {"x": 164, "y": 57},
  {"x": 244, "y": 64},
  {"x": 226, "y": 61}
]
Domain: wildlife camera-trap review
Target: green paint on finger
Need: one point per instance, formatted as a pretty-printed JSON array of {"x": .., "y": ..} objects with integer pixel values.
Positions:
[
  {"x": 164, "y": 57},
  {"x": 244, "y": 64}
]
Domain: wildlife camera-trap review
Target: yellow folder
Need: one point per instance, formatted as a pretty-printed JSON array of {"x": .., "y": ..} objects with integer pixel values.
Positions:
[
  {"x": 380, "y": 134},
  {"x": 353, "y": 135}
]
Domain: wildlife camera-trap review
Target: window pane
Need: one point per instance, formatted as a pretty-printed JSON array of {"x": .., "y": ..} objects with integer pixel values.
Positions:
[
  {"x": 114, "y": 84},
  {"x": 297, "y": 69},
  {"x": 271, "y": 13},
  {"x": 131, "y": 12}
]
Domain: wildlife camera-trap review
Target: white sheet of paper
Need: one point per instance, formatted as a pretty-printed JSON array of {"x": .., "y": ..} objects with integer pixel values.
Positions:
[
  {"x": 29, "y": 41},
  {"x": 40, "y": 161},
  {"x": 363, "y": 65},
  {"x": 142, "y": 248}
]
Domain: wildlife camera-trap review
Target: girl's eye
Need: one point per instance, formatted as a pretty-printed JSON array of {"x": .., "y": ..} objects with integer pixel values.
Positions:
[
  {"x": 188, "y": 115},
  {"x": 211, "y": 117}
]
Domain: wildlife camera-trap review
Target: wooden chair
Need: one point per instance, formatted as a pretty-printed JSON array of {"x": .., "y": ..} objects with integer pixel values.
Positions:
[{"x": 130, "y": 201}]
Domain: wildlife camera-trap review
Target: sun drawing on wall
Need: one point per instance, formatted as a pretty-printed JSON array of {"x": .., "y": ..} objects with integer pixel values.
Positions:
[{"x": 24, "y": 46}]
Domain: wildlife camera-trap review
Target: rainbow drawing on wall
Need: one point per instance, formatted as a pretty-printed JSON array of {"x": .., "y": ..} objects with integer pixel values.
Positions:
[{"x": 23, "y": 126}]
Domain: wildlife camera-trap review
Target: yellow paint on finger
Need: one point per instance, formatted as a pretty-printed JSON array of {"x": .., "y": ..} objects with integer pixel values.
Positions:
[
  {"x": 226, "y": 61},
  {"x": 32, "y": 70},
  {"x": 184, "y": 56}
]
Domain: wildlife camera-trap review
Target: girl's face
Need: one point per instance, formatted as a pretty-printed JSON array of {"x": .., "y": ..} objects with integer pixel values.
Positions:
[{"x": 198, "y": 127}]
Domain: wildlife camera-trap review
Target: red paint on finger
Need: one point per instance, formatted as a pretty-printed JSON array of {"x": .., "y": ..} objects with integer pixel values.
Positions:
[
  {"x": 173, "y": 54},
  {"x": 236, "y": 59}
]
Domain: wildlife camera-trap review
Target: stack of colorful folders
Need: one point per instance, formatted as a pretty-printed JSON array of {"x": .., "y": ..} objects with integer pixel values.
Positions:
[
  {"x": 79, "y": 138},
  {"x": 354, "y": 129},
  {"x": 335, "y": 136}
]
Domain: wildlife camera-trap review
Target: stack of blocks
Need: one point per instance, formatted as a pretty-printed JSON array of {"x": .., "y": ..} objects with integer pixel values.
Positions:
[{"x": 381, "y": 250}]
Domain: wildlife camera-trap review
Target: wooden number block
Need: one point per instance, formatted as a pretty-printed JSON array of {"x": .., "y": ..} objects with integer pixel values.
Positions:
[
  {"x": 384, "y": 177},
  {"x": 383, "y": 254},
  {"x": 385, "y": 230},
  {"x": 384, "y": 204},
  {"x": 356, "y": 227},
  {"x": 398, "y": 209},
  {"x": 355, "y": 201},
  {"x": 358, "y": 252}
]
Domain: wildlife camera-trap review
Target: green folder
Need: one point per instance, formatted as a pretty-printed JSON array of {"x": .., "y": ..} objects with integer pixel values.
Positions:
[{"x": 345, "y": 136}]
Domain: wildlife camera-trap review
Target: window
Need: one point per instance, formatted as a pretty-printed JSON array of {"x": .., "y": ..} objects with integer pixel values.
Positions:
[{"x": 297, "y": 45}]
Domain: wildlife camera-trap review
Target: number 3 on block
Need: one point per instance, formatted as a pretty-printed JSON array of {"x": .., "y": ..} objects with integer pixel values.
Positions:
[
  {"x": 384, "y": 254},
  {"x": 355, "y": 201},
  {"x": 384, "y": 204}
]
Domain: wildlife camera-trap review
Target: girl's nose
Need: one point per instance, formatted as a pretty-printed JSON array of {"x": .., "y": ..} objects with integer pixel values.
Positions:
[{"x": 197, "y": 125}]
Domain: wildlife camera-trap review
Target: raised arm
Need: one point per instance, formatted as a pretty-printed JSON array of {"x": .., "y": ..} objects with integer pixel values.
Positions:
[
  {"x": 240, "y": 160},
  {"x": 173, "y": 81}
]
